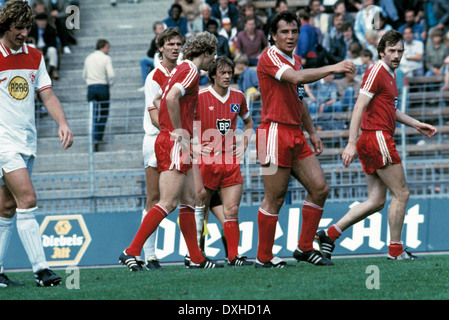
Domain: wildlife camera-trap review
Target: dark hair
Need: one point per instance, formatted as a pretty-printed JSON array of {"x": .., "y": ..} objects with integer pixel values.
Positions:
[
  {"x": 347, "y": 25},
  {"x": 156, "y": 24},
  {"x": 176, "y": 5},
  {"x": 366, "y": 53},
  {"x": 220, "y": 62},
  {"x": 167, "y": 35},
  {"x": 15, "y": 13},
  {"x": 211, "y": 22},
  {"x": 288, "y": 17},
  {"x": 101, "y": 43},
  {"x": 278, "y": 3},
  {"x": 390, "y": 38}
]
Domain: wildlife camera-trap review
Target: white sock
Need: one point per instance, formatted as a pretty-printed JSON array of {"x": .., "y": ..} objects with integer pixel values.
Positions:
[
  {"x": 149, "y": 247},
  {"x": 30, "y": 235},
  {"x": 199, "y": 218},
  {"x": 5, "y": 236}
]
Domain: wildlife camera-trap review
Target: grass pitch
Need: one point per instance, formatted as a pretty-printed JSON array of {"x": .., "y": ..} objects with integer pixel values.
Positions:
[{"x": 372, "y": 278}]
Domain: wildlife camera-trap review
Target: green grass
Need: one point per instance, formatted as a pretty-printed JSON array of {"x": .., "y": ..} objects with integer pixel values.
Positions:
[{"x": 403, "y": 280}]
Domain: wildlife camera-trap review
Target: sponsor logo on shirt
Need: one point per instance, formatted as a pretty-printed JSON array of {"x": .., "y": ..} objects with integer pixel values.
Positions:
[
  {"x": 18, "y": 88},
  {"x": 235, "y": 108},
  {"x": 223, "y": 126}
]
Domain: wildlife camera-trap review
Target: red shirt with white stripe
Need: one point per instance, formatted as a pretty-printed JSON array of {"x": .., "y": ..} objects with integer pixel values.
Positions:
[
  {"x": 379, "y": 83},
  {"x": 218, "y": 116},
  {"x": 281, "y": 100},
  {"x": 186, "y": 78}
]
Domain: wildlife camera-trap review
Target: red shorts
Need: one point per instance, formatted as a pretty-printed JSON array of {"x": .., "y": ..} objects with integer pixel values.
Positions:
[
  {"x": 216, "y": 172},
  {"x": 169, "y": 154},
  {"x": 281, "y": 144},
  {"x": 375, "y": 149}
]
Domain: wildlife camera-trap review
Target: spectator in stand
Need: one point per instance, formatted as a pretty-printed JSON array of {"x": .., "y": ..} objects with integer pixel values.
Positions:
[
  {"x": 326, "y": 95},
  {"x": 348, "y": 91},
  {"x": 190, "y": 6},
  {"x": 199, "y": 24},
  {"x": 417, "y": 28},
  {"x": 251, "y": 41},
  {"x": 224, "y": 9},
  {"x": 441, "y": 10},
  {"x": 412, "y": 60},
  {"x": 446, "y": 74},
  {"x": 348, "y": 38},
  {"x": 382, "y": 27},
  {"x": 223, "y": 46},
  {"x": 307, "y": 41},
  {"x": 175, "y": 20},
  {"x": 281, "y": 5},
  {"x": 147, "y": 63},
  {"x": 249, "y": 9},
  {"x": 364, "y": 20},
  {"x": 43, "y": 36},
  {"x": 229, "y": 32},
  {"x": 334, "y": 33},
  {"x": 321, "y": 19},
  {"x": 367, "y": 58},
  {"x": 372, "y": 38},
  {"x": 99, "y": 76},
  {"x": 354, "y": 50},
  {"x": 247, "y": 77},
  {"x": 436, "y": 52},
  {"x": 339, "y": 7}
]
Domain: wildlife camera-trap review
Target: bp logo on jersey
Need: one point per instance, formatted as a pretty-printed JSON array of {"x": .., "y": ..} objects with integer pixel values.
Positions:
[
  {"x": 65, "y": 239},
  {"x": 18, "y": 88},
  {"x": 223, "y": 126}
]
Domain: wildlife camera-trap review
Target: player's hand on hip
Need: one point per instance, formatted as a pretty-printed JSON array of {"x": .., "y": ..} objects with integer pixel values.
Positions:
[{"x": 348, "y": 154}]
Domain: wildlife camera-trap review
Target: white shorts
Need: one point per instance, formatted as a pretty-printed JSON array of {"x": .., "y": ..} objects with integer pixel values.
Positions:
[
  {"x": 149, "y": 155},
  {"x": 11, "y": 161}
]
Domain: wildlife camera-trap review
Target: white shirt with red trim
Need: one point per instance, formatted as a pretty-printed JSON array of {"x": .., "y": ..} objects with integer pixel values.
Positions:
[
  {"x": 22, "y": 74},
  {"x": 153, "y": 84}
]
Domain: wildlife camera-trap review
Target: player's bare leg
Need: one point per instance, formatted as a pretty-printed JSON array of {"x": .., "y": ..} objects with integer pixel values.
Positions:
[{"x": 308, "y": 171}]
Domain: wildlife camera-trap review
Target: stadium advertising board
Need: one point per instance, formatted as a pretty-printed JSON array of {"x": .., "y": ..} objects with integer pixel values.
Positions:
[{"x": 98, "y": 239}]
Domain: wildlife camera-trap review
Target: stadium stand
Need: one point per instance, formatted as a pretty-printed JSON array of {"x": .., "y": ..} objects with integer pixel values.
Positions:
[{"x": 112, "y": 180}]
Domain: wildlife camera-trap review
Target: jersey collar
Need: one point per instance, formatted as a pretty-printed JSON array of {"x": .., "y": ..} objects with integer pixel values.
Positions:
[
  {"x": 8, "y": 51},
  {"x": 391, "y": 72},
  {"x": 288, "y": 58},
  {"x": 220, "y": 98}
]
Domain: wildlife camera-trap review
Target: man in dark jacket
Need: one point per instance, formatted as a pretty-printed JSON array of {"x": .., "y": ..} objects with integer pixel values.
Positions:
[{"x": 43, "y": 36}]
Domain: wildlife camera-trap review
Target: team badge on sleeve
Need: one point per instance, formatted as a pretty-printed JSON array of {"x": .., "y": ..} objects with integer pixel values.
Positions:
[
  {"x": 235, "y": 108},
  {"x": 223, "y": 126}
]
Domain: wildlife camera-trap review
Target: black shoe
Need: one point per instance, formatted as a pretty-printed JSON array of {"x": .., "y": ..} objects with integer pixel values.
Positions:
[
  {"x": 312, "y": 256},
  {"x": 130, "y": 261},
  {"x": 206, "y": 264},
  {"x": 153, "y": 265},
  {"x": 187, "y": 260},
  {"x": 240, "y": 261},
  {"x": 405, "y": 256},
  {"x": 5, "y": 282},
  {"x": 273, "y": 263},
  {"x": 325, "y": 243},
  {"x": 47, "y": 278}
]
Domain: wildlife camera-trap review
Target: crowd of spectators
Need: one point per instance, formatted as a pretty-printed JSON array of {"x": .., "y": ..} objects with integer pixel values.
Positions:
[{"x": 330, "y": 32}]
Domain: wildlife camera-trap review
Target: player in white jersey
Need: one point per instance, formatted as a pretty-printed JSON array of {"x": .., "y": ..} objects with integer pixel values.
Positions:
[
  {"x": 22, "y": 74},
  {"x": 169, "y": 44}
]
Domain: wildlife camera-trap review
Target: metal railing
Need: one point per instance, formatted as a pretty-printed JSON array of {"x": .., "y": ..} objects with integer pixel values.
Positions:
[{"x": 113, "y": 180}]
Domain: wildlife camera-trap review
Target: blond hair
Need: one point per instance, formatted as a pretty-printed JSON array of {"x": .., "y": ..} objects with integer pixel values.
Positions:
[{"x": 199, "y": 44}]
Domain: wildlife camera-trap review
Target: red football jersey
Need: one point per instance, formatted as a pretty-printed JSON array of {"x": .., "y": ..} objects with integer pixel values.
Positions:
[
  {"x": 218, "y": 116},
  {"x": 185, "y": 77},
  {"x": 281, "y": 101},
  {"x": 379, "y": 83}
]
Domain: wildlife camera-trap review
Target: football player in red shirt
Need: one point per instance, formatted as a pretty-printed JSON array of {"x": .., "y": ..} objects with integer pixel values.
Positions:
[
  {"x": 219, "y": 107},
  {"x": 282, "y": 148},
  {"x": 376, "y": 113},
  {"x": 173, "y": 146}
]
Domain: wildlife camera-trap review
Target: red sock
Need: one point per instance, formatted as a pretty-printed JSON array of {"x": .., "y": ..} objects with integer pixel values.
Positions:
[
  {"x": 267, "y": 230},
  {"x": 232, "y": 234},
  {"x": 334, "y": 232},
  {"x": 311, "y": 216},
  {"x": 395, "y": 248},
  {"x": 187, "y": 224},
  {"x": 149, "y": 224}
]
